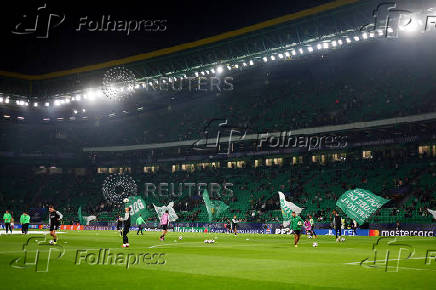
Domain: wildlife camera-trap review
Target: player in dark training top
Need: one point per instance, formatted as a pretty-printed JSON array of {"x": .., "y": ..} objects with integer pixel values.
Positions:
[
  {"x": 54, "y": 221},
  {"x": 126, "y": 227}
]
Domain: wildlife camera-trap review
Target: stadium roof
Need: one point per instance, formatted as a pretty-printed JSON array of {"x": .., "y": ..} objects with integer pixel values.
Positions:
[{"x": 298, "y": 27}]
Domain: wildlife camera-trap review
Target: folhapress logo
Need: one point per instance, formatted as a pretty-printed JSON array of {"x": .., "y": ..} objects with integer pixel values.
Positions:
[
  {"x": 40, "y": 23},
  {"x": 37, "y": 254}
]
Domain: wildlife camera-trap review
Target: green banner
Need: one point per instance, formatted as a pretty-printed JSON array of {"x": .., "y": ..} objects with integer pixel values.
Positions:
[
  {"x": 215, "y": 208},
  {"x": 359, "y": 204},
  {"x": 138, "y": 208}
]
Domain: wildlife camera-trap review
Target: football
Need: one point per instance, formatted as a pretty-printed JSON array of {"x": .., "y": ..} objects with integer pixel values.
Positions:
[
  {"x": 315, "y": 244},
  {"x": 180, "y": 237},
  {"x": 342, "y": 239},
  {"x": 126, "y": 200}
]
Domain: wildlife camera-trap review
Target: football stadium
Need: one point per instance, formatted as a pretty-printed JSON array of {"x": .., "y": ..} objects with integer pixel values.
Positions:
[{"x": 218, "y": 145}]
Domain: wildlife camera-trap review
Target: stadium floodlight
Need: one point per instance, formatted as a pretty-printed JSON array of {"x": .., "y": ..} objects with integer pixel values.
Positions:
[
  {"x": 60, "y": 118},
  {"x": 280, "y": 55},
  {"x": 244, "y": 63},
  {"x": 196, "y": 73},
  {"x": 35, "y": 104},
  {"x": 62, "y": 102},
  {"x": 348, "y": 40},
  {"x": 340, "y": 42},
  {"x": 207, "y": 72},
  {"x": 202, "y": 73},
  {"x": 265, "y": 59},
  {"x": 7, "y": 101},
  {"x": 47, "y": 104},
  {"x": 78, "y": 97},
  {"x": 67, "y": 101},
  {"x": 294, "y": 52},
  {"x": 75, "y": 111},
  {"x": 46, "y": 119},
  {"x": 229, "y": 67},
  {"x": 137, "y": 86},
  {"x": 365, "y": 35},
  {"x": 1, "y": 99},
  {"x": 319, "y": 46},
  {"x": 20, "y": 118},
  {"x": 380, "y": 32},
  {"x": 6, "y": 116},
  {"x": 273, "y": 57},
  {"x": 212, "y": 70},
  {"x": 325, "y": 45},
  {"x": 310, "y": 49},
  {"x": 334, "y": 43},
  {"x": 356, "y": 38},
  {"x": 251, "y": 62},
  {"x": 236, "y": 66},
  {"x": 287, "y": 54},
  {"x": 26, "y": 103},
  {"x": 371, "y": 34},
  {"x": 83, "y": 110},
  {"x": 390, "y": 30},
  {"x": 301, "y": 50}
]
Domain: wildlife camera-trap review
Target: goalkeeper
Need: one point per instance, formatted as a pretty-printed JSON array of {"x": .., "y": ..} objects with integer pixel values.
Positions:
[{"x": 296, "y": 225}]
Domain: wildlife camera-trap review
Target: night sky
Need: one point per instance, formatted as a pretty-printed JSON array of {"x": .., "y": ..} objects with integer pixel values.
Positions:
[{"x": 65, "y": 48}]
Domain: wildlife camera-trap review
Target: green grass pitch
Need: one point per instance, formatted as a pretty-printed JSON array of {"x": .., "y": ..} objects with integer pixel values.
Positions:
[{"x": 243, "y": 262}]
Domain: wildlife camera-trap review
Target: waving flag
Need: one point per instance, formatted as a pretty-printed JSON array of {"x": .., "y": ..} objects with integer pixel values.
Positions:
[
  {"x": 359, "y": 204},
  {"x": 433, "y": 213},
  {"x": 287, "y": 209},
  {"x": 84, "y": 220},
  {"x": 161, "y": 210},
  {"x": 137, "y": 205},
  {"x": 215, "y": 208}
]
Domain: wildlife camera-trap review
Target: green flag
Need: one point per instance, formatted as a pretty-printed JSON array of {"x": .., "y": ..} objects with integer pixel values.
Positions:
[
  {"x": 84, "y": 220},
  {"x": 215, "y": 208},
  {"x": 137, "y": 205},
  {"x": 79, "y": 213},
  {"x": 359, "y": 204}
]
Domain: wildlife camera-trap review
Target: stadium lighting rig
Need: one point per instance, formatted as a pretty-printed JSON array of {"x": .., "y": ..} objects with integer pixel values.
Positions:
[{"x": 407, "y": 24}]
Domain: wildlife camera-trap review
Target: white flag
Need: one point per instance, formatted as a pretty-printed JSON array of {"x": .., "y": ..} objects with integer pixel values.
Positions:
[
  {"x": 288, "y": 207},
  {"x": 433, "y": 212},
  {"x": 161, "y": 210}
]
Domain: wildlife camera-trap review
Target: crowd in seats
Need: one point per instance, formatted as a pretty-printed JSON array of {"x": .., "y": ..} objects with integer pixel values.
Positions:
[{"x": 409, "y": 183}]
